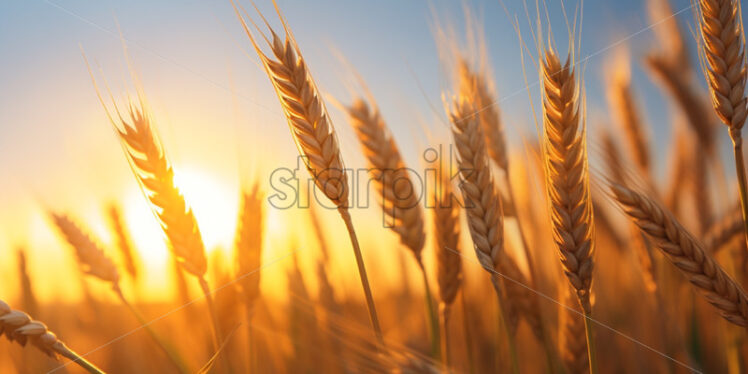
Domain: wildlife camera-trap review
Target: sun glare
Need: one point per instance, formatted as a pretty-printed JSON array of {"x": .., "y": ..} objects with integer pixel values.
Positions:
[{"x": 214, "y": 204}]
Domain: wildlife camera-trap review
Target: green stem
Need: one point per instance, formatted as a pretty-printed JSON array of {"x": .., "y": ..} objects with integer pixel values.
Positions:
[
  {"x": 505, "y": 325},
  {"x": 170, "y": 352},
  {"x": 362, "y": 274},
  {"x": 62, "y": 349},
  {"x": 737, "y": 147},
  {"x": 433, "y": 319},
  {"x": 591, "y": 350}
]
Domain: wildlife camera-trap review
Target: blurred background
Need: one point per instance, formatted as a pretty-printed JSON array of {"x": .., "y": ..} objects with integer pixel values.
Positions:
[{"x": 221, "y": 125}]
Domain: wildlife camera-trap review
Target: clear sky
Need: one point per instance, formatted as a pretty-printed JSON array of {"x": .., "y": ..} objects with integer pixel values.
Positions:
[{"x": 215, "y": 109}]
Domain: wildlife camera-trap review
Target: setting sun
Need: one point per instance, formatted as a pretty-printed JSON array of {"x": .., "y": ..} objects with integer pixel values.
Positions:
[{"x": 215, "y": 206}]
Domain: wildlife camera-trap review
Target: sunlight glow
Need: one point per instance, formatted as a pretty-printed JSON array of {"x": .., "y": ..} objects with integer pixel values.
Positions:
[{"x": 215, "y": 206}]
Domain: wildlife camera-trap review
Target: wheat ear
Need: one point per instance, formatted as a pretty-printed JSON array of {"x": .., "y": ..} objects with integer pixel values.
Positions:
[
  {"x": 723, "y": 47},
  {"x": 482, "y": 202},
  {"x": 624, "y": 105},
  {"x": 446, "y": 218},
  {"x": 155, "y": 175},
  {"x": 567, "y": 181},
  {"x": 29, "y": 300},
  {"x": 17, "y": 326},
  {"x": 95, "y": 262},
  {"x": 686, "y": 253},
  {"x": 124, "y": 243},
  {"x": 398, "y": 197},
  {"x": 91, "y": 257},
  {"x": 473, "y": 85},
  {"x": 313, "y": 133}
]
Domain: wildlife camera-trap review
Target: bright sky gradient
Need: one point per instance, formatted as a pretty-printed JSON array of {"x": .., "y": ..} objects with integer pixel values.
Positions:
[{"x": 215, "y": 109}]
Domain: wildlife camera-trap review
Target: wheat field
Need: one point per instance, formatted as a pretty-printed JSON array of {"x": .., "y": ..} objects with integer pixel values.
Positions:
[{"x": 575, "y": 236}]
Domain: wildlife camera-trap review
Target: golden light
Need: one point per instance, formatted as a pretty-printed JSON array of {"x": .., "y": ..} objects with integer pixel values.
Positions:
[{"x": 215, "y": 206}]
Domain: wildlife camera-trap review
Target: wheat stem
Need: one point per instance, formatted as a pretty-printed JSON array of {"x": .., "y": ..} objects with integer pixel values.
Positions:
[
  {"x": 217, "y": 336},
  {"x": 737, "y": 147},
  {"x": 444, "y": 314},
  {"x": 362, "y": 274},
  {"x": 468, "y": 333},
  {"x": 250, "y": 342},
  {"x": 80, "y": 361},
  {"x": 503, "y": 310},
  {"x": 591, "y": 350},
  {"x": 554, "y": 363},
  {"x": 173, "y": 356},
  {"x": 432, "y": 315}
]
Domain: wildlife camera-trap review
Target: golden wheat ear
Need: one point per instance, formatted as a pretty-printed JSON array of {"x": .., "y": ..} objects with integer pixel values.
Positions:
[
  {"x": 312, "y": 132},
  {"x": 724, "y": 60},
  {"x": 568, "y": 181},
  {"x": 91, "y": 256},
  {"x": 19, "y": 327},
  {"x": 686, "y": 253},
  {"x": 303, "y": 108}
]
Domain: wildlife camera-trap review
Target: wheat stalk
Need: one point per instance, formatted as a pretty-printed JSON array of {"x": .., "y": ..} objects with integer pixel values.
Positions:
[
  {"x": 18, "y": 327},
  {"x": 686, "y": 253},
  {"x": 154, "y": 172},
  {"x": 723, "y": 47},
  {"x": 146, "y": 155},
  {"x": 152, "y": 169},
  {"x": 679, "y": 164},
  {"x": 571, "y": 337},
  {"x": 482, "y": 202},
  {"x": 248, "y": 243},
  {"x": 313, "y": 133},
  {"x": 124, "y": 243},
  {"x": 701, "y": 194},
  {"x": 95, "y": 262},
  {"x": 248, "y": 254},
  {"x": 567, "y": 181},
  {"x": 723, "y": 231},
  {"x": 398, "y": 197},
  {"x": 474, "y": 86}
]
